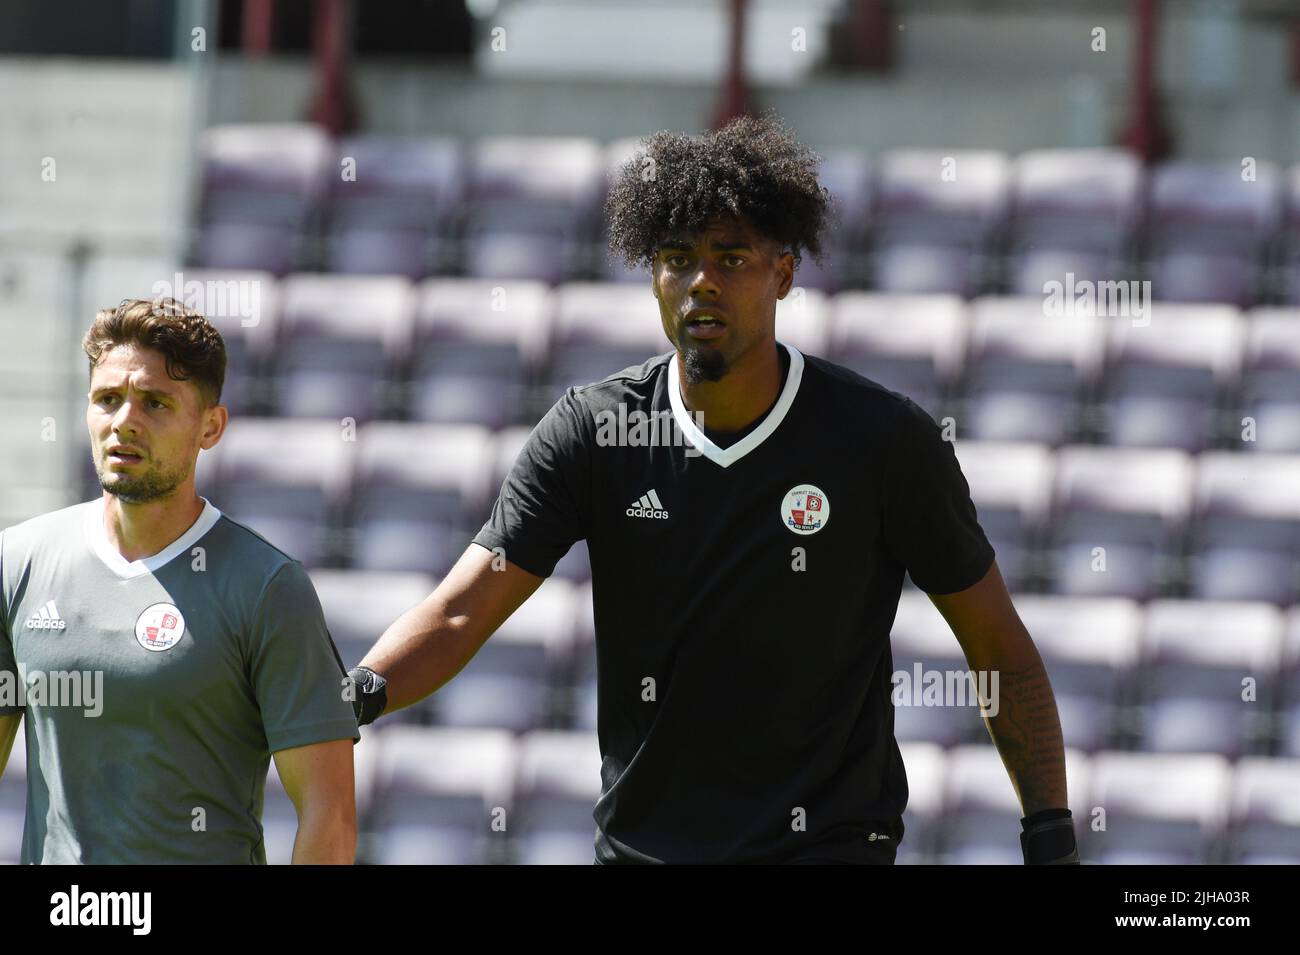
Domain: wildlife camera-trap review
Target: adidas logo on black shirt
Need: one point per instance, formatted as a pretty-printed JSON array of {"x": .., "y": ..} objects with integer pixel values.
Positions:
[{"x": 648, "y": 506}]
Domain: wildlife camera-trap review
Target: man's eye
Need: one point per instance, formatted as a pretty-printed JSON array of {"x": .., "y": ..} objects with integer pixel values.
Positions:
[
  {"x": 107, "y": 399},
  {"x": 679, "y": 260},
  {"x": 157, "y": 404}
]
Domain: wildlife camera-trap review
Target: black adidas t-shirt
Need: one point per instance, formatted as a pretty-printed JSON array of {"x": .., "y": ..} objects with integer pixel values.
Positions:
[{"x": 743, "y": 599}]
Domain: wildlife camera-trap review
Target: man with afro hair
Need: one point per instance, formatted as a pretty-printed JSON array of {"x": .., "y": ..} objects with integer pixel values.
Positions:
[{"x": 747, "y": 558}]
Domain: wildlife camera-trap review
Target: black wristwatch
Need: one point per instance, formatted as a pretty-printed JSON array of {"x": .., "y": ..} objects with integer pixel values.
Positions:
[{"x": 371, "y": 694}]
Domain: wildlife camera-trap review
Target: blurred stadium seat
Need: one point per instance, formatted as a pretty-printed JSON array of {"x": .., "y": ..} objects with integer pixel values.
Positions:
[
  {"x": 557, "y": 783},
  {"x": 913, "y": 344},
  {"x": 1246, "y": 536},
  {"x": 1159, "y": 808},
  {"x": 1117, "y": 517},
  {"x": 437, "y": 790},
  {"x": 338, "y": 338},
  {"x": 396, "y": 213},
  {"x": 1027, "y": 376},
  {"x": 1209, "y": 675}
]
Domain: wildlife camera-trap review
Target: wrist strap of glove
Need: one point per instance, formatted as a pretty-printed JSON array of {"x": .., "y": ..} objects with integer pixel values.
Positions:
[
  {"x": 370, "y": 694},
  {"x": 1048, "y": 838}
]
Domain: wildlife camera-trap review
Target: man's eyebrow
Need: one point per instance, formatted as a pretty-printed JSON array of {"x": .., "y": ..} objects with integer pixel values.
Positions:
[{"x": 147, "y": 392}]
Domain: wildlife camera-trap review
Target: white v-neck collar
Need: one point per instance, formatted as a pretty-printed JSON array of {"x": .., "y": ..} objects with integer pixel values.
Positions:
[
  {"x": 725, "y": 457},
  {"x": 97, "y": 539}
]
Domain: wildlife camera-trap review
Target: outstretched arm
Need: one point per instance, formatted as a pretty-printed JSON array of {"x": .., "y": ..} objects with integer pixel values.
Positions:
[{"x": 430, "y": 643}]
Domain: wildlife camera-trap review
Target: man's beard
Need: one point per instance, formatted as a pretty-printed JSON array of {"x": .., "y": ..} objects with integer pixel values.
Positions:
[
  {"x": 703, "y": 364},
  {"x": 153, "y": 485}
]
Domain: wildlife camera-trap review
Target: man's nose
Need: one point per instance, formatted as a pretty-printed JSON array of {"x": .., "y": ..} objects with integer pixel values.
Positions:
[
  {"x": 124, "y": 422},
  {"x": 706, "y": 281}
]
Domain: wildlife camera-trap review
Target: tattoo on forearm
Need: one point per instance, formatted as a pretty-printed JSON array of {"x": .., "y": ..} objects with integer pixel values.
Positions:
[{"x": 1027, "y": 732}]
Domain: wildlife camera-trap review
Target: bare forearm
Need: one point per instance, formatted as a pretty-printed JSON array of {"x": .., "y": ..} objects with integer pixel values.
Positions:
[
  {"x": 326, "y": 836},
  {"x": 432, "y": 642},
  {"x": 422, "y": 650},
  {"x": 1023, "y": 722},
  {"x": 1027, "y": 732}
]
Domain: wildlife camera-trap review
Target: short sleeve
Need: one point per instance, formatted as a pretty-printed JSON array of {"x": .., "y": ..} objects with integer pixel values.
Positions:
[
  {"x": 930, "y": 525},
  {"x": 544, "y": 504},
  {"x": 295, "y": 669},
  {"x": 8, "y": 663}
]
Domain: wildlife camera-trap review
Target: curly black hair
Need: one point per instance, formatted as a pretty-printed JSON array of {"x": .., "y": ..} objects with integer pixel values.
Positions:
[{"x": 751, "y": 168}]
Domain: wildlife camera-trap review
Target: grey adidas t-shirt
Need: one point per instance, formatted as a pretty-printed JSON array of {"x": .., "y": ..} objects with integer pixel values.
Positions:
[{"x": 156, "y": 691}]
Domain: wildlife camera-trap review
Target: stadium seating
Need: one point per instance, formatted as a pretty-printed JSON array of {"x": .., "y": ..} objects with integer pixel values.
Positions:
[
  {"x": 1264, "y": 818},
  {"x": 1010, "y": 485},
  {"x": 1209, "y": 675},
  {"x": 909, "y": 343},
  {"x": 288, "y": 480},
  {"x": 338, "y": 336},
  {"x": 1026, "y": 376},
  {"x": 262, "y": 191},
  {"x": 475, "y": 349},
  {"x": 420, "y": 491},
  {"x": 1076, "y": 199},
  {"x": 556, "y": 784},
  {"x": 359, "y": 605},
  {"x": 1270, "y": 381},
  {"x": 393, "y": 210},
  {"x": 1246, "y": 536},
  {"x": 1156, "y": 808},
  {"x": 1164, "y": 375},
  {"x": 1117, "y": 516},
  {"x": 436, "y": 790}
]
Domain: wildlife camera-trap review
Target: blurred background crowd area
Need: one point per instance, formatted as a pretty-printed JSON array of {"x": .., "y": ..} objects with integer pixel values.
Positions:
[{"x": 393, "y": 213}]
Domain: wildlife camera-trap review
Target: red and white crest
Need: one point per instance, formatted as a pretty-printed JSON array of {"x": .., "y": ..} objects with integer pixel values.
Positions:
[
  {"x": 805, "y": 509},
  {"x": 160, "y": 627}
]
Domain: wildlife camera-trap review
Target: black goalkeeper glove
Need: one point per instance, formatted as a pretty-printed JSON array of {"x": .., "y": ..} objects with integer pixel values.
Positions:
[
  {"x": 370, "y": 694},
  {"x": 1048, "y": 838}
]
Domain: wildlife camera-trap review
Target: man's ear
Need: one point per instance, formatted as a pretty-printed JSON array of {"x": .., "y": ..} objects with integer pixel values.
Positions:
[
  {"x": 785, "y": 263},
  {"x": 215, "y": 420}
]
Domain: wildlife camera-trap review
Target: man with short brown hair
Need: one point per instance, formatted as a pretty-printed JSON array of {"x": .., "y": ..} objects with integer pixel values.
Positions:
[{"x": 160, "y": 651}]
